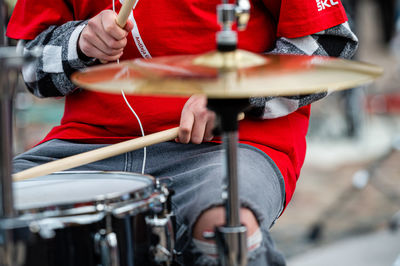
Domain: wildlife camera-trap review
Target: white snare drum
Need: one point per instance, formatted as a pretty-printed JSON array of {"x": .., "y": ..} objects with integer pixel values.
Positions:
[{"x": 93, "y": 218}]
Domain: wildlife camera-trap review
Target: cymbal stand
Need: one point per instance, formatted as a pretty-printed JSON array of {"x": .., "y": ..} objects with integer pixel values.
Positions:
[
  {"x": 227, "y": 14},
  {"x": 6, "y": 192},
  {"x": 10, "y": 63},
  {"x": 231, "y": 237},
  {"x": 361, "y": 179},
  {"x": 6, "y": 204}
]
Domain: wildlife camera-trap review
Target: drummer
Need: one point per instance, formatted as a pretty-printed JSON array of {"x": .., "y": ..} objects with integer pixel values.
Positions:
[{"x": 78, "y": 34}]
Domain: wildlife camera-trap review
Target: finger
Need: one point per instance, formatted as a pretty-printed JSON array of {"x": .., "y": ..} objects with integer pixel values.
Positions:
[
  {"x": 92, "y": 51},
  {"x": 107, "y": 35},
  {"x": 208, "y": 132},
  {"x": 129, "y": 26},
  {"x": 103, "y": 57},
  {"x": 111, "y": 27},
  {"x": 92, "y": 36},
  {"x": 107, "y": 59},
  {"x": 185, "y": 126},
  {"x": 199, "y": 126},
  {"x": 94, "y": 47},
  {"x": 108, "y": 45},
  {"x": 111, "y": 44}
]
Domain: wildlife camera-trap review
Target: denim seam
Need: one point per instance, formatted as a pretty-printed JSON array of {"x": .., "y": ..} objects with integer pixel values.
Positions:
[{"x": 125, "y": 162}]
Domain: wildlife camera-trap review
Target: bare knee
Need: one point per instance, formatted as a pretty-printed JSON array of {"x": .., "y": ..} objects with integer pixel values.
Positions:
[{"x": 215, "y": 216}]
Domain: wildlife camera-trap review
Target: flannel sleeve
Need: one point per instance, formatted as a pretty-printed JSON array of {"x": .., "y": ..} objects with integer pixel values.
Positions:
[
  {"x": 338, "y": 41},
  {"x": 50, "y": 74}
]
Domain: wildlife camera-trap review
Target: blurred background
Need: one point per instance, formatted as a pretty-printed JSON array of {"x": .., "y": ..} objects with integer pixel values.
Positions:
[
  {"x": 346, "y": 210},
  {"x": 346, "y": 207}
]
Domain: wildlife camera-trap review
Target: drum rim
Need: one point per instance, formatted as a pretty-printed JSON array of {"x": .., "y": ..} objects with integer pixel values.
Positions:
[{"x": 103, "y": 203}]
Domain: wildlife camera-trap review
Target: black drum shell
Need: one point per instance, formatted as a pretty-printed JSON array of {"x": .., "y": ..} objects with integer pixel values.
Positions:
[{"x": 75, "y": 245}]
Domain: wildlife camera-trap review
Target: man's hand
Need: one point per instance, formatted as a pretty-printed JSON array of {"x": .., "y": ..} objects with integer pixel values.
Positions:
[
  {"x": 102, "y": 38},
  {"x": 197, "y": 122}
]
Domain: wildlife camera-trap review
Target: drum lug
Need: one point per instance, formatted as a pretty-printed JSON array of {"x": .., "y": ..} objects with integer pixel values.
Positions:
[
  {"x": 162, "y": 239},
  {"x": 106, "y": 245},
  {"x": 45, "y": 228},
  {"x": 161, "y": 226}
]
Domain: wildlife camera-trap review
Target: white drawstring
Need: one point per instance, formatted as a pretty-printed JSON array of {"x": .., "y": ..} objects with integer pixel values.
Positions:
[{"x": 133, "y": 111}]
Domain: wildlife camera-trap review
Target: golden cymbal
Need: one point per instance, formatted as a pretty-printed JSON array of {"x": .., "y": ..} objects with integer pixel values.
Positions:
[{"x": 238, "y": 74}]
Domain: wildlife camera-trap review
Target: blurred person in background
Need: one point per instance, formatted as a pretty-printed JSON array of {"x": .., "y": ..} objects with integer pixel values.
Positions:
[{"x": 386, "y": 15}]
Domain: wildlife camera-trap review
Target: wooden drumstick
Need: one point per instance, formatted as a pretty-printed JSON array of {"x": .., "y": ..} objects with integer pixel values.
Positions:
[
  {"x": 99, "y": 154},
  {"x": 96, "y": 155},
  {"x": 123, "y": 16},
  {"x": 124, "y": 12}
]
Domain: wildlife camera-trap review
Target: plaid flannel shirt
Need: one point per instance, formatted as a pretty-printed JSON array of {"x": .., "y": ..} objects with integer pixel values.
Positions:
[{"x": 50, "y": 75}]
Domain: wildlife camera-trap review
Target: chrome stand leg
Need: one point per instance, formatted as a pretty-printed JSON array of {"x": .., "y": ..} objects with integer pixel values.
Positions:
[
  {"x": 10, "y": 63},
  {"x": 231, "y": 237},
  {"x": 6, "y": 193},
  {"x": 6, "y": 201},
  {"x": 7, "y": 209},
  {"x": 232, "y": 245},
  {"x": 3, "y": 14},
  {"x": 230, "y": 140}
]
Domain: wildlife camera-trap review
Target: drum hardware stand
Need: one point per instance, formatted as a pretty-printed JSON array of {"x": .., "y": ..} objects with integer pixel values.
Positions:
[
  {"x": 3, "y": 17},
  {"x": 161, "y": 229},
  {"x": 227, "y": 14},
  {"x": 106, "y": 243},
  {"x": 9, "y": 247},
  {"x": 10, "y": 63},
  {"x": 230, "y": 238},
  {"x": 360, "y": 180},
  {"x": 160, "y": 224},
  {"x": 6, "y": 209}
]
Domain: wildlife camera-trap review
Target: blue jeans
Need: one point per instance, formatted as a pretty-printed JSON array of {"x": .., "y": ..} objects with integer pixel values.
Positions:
[{"x": 195, "y": 173}]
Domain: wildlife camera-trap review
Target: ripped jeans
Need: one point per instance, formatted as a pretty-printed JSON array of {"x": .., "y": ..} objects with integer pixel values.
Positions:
[{"x": 195, "y": 173}]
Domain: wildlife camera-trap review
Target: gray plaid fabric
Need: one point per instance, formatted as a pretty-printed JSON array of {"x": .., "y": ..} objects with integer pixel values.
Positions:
[
  {"x": 338, "y": 41},
  {"x": 49, "y": 76}
]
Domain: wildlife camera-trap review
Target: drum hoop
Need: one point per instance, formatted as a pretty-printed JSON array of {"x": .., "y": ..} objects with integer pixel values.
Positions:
[
  {"x": 100, "y": 204},
  {"x": 49, "y": 221}
]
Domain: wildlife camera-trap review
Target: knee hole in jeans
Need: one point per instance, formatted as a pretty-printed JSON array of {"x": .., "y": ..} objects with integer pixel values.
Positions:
[{"x": 215, "y": 216}]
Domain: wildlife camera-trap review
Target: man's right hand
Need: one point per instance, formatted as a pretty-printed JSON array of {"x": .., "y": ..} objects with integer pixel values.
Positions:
[{"x": 102, "y": 38}]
